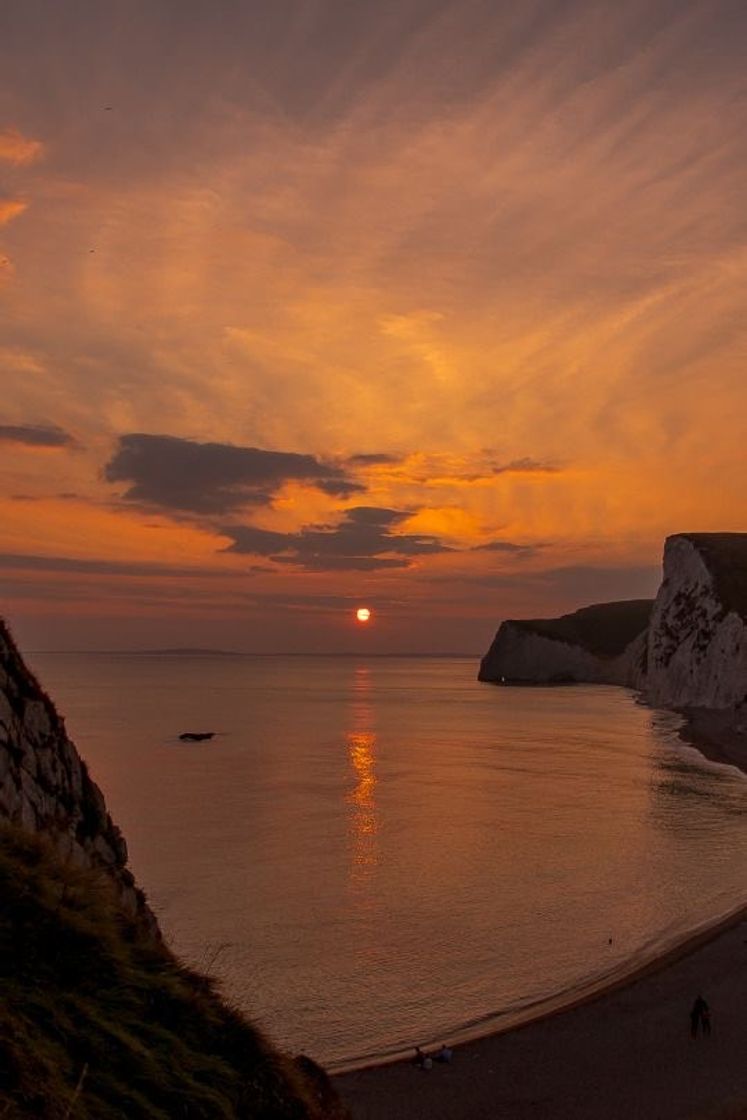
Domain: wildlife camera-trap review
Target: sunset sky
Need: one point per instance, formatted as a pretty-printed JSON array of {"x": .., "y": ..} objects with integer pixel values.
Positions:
[{"x": 433, "y": 307}]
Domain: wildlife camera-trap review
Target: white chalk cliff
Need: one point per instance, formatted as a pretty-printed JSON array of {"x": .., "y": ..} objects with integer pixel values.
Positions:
[
  {"x": 600, "y": 644},
  {"x": 697, "y": 640},
  {"x": 690, "y": 653}
]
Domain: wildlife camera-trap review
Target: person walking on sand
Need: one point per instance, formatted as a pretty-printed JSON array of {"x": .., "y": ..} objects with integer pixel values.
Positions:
[{"x": 700, "y": 1016}]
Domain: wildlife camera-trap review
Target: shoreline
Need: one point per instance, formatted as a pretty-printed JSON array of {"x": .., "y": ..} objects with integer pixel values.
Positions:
[
  {"x": 719, "y": 735},
  {"x": 549, "y": 1055},
  {"x": 606, "y": 1055},
  {"x": 560, "y": 1004}
]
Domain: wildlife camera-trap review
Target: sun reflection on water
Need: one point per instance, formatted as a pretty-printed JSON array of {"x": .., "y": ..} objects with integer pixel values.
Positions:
[{"x": 361, "y": 744}]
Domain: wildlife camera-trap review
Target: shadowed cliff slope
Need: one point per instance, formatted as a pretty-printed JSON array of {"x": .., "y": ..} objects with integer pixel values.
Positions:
[
  {"x": 45, "y": 785},
  {"x": 91, "y": 1001},
  {"x": 98, "y": 1019},
  {"x": 592, "y": 644}
]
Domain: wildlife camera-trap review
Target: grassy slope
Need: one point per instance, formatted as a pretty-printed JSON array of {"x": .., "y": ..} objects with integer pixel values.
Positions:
[
  {"x": 81, "y": 987},
  {"x": 604, "y": 628}
]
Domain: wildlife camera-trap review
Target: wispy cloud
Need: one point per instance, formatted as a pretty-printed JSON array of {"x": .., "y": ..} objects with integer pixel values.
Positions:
[
  {"x": 17, "y": 149},
  {"x": 373, "y": 459},
  {"x": 36, "y": 435},
  {"x": 10, "y": 208},
  {"x": 381, "y": 239},
  {"x": 525, "y": 466},
  {"x": 506, "y": 546},
  {"x": 11, "y": 561},
  {"x": 364, "y": 540}
]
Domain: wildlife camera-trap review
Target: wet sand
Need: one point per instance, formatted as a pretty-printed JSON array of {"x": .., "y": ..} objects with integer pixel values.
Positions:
[{"x": 626, "y": 1053}]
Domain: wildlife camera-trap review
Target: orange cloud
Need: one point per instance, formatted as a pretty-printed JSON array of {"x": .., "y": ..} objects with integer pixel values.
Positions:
[
  {"x": 18, "y": 149},
  {"x": 517, "y": 311},
  {"x": 10, "y": 208}
]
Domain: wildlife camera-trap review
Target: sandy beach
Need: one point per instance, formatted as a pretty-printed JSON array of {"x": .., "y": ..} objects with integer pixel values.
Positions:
[{"x": 626, "y": 1052}]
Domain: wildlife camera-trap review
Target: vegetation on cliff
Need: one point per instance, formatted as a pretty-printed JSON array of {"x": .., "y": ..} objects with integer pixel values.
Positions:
[
  {"x": 725, "y": 556},
  {"x": 98, "y": 1021},
  {"x": 604, "y": 629}
]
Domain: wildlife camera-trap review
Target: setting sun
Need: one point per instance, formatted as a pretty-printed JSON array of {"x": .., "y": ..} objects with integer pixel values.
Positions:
[{"x": 363, "y": 614}]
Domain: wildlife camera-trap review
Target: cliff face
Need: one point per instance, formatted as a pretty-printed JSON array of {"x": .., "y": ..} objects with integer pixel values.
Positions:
[
  {"x": 697, "y": 642},
  {"x": 688, "y": 651},
  {"x": 45, "y": 786},
  {"x": 601, "y": 644},
  {"x": 100, "y": 1018}
]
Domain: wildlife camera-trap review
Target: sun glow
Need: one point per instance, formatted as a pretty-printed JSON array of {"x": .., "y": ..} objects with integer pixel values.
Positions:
[{"x": 363, "y": 614}]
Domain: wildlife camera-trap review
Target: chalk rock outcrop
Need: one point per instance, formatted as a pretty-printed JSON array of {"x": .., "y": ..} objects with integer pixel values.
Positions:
[
  {"x": 687, "y": 651},
  {"x": 697, "y": 642},
  {"x": 45, "y": 786},
  {"x": 600, "y": 644}
]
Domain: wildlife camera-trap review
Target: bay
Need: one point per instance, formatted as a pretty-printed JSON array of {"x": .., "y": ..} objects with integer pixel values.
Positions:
[{"x": 374, "y": 853}]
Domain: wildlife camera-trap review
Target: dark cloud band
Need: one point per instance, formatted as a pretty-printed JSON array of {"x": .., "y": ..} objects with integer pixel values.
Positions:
[
  {"x": 214, "y": 478},
  {"x": 35, "y": 435},
  {"x": 363, "y": 541}
]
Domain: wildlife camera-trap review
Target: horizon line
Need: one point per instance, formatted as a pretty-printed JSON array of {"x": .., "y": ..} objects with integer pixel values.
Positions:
[{"x": 190, "y": 652}]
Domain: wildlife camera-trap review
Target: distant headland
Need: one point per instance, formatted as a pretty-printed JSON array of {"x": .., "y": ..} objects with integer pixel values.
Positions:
[{"x": 685, "y": 650}]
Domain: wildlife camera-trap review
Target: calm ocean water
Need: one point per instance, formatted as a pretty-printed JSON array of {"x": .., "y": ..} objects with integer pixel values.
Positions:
[{"x": 378, "y": 853}]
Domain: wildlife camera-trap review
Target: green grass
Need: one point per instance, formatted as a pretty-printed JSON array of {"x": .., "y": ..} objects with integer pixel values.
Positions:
[{"x": 84, "y": 991}]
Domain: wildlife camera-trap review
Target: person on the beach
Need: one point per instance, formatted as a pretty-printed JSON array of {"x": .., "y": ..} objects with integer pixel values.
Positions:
[
  {"x": 421, "y": 1060},
  {"x": 445, "y": 1054},
  {"x": 700, "y": 1016}
]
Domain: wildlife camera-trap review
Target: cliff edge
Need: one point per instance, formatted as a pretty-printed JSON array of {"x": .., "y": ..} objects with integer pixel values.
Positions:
[
  {"x": 686, "y": 650},
  {"x": 98, "y": 1019},
  {"x": 697, "y": 641},
  {"x": 45, "y": 786},
  {"x": 600, "y": 644}
]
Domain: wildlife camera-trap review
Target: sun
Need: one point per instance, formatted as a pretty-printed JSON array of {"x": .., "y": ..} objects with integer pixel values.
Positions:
[{"x": 363, "y": 614}]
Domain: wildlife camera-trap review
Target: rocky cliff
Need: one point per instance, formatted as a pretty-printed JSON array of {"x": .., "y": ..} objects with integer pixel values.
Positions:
[
  {"x": 697, "y": 640},
  {"x": 99, "y": 1019},
  {"x": 600, "y": 644},
  {"x": 687, "y": 650},
  {"x": 45, "y": 786}
]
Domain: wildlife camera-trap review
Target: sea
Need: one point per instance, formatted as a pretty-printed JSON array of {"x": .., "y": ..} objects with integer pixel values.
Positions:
[{"x": 374, "y": 853}]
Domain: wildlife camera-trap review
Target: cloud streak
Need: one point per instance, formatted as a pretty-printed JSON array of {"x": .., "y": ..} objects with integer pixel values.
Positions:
[
  {"x": 480, "y": 262},
  {"x": 506, "y": 546},
  {"x": 35, "y": 435},
  {"x": 211, "y": 478},
  {"x": 10, "y": 208},
  {"x": 11, "y": 561},
  {"x": 17, "y": 149},
  {"x": 525, "y": 466},
  {"x": 364, "y": 540}
]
